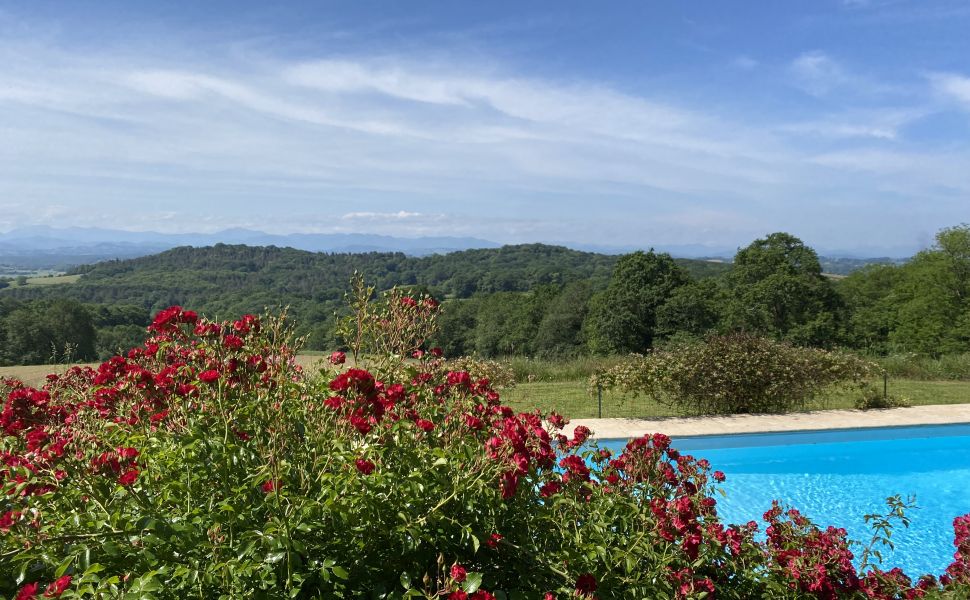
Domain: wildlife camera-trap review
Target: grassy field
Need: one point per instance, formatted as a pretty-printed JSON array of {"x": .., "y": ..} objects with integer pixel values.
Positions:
[
  {"x": 55, "y": 280},
  {"x": 44, "y": 280},
  {"x": 571, "y": 398}
]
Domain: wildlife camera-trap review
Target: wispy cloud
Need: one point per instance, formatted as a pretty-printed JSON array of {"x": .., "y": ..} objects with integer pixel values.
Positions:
[
  {"x": 343, "y": 143},
  {"x": 953, "y": 87},
  {"x": 878, "y": 124},
  {"x": 818, "y": 73},
  {"x": 375, "y": 216}
]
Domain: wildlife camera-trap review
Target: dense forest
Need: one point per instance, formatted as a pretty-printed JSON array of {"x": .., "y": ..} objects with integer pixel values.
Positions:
[{"x": 533, "y": 300}]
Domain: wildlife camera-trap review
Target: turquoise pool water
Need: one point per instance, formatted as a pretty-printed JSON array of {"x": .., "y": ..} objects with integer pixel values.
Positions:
[{"x": 836, "y": 477}]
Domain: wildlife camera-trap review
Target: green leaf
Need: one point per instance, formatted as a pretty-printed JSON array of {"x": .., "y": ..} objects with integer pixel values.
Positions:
[
  {"x": 340, "y": 572},
  {"x": 63, "y": 567},
  {"x": 275, "y": 557},
  {"x": 405, "y": 580},
  {"x": 472, "y": 582}
]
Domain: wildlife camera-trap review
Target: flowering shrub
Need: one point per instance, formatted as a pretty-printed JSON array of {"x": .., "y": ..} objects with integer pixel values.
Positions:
[
  {"x": 206, "y": 464},
  {"x": 392, "y": 328},
  {"x": 499, "y": 374},
  {"x": 737, "y": 373}
]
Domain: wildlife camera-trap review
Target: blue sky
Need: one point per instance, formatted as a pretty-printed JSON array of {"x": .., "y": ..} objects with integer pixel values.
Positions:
[{"x": 845, "y": 122}]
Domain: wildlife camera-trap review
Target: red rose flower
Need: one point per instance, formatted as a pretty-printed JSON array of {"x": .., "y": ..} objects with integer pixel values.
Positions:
[
  {"x": 458, "y": 573},
  {"x": 58, "y": 587},
  {"x": 718, "y": 476},
  {"x": 28, "y": 592},
  {"x": 210, "y": 376},
  {"x": 364, "y": 466},
  {"x": 338, "y": 358},
  {"x": 458, "y": 595},
  {"x": 8, "y": 518},
  {"x": 549, "y": 488},
  {"x": 585, "y": 584},
  {"x": 425, "y": 425},
  {"x": 128, "y": 477},
  {"x": 127, "y": 453},
  {"x": 493, "y": 540},
  {"x": 270, "y": 485},
  {"x": 233, "y": 342}
]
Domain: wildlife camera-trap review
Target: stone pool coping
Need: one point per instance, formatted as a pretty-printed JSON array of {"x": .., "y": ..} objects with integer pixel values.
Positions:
[{"x": 935, "y": 414}]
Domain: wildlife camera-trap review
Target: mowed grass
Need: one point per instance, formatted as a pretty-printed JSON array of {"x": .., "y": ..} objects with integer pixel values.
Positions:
[{"x": 573, "y": 400}]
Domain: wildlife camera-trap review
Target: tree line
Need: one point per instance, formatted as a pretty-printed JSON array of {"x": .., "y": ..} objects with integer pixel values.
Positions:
[
  {"x": 532, "y": 300},
  {"x": 775, "y": 288}
]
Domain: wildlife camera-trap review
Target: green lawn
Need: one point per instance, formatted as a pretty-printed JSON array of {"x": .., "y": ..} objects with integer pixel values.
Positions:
[{"x": 571, "y": 399}]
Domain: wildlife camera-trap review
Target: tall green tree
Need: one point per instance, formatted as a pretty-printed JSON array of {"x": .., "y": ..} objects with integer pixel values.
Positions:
[
  {"x": 43, "y": 332},
  {"x": 777, "y": 289},
  {"x": 623, "y": 318},
  {"x": 457, "y": 324},
  {"x": 559, "y": 334},
  {"x": 933, "y": 297},
  {"x": 692, "y": 311},
  {"x": 870, "y": 295}
]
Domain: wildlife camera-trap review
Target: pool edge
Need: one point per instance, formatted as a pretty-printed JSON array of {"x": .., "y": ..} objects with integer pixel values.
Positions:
[{"x": 933, "y": 414}]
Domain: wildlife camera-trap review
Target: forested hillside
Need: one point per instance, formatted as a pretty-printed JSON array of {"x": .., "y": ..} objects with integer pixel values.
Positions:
[
  {"x": 531, "y": 300},
  {"x": 226, "y": 280}
]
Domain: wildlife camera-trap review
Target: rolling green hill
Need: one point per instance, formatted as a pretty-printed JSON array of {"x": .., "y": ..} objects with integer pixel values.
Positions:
[{"x": 228, "y": 280}]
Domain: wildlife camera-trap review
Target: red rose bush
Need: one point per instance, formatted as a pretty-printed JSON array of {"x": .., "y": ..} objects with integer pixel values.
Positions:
[{"x": 206, "y": 463}]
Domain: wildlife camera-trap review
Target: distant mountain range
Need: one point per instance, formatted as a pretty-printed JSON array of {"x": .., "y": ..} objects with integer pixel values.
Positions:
[{"x": 44, "y": 247}]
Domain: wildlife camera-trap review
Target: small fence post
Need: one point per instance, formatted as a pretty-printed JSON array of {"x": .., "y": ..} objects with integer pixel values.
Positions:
[{"x": 599, "y": 399}]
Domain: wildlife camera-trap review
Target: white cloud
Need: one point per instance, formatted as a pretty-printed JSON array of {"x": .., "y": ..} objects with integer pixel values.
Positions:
[
  {"x": 346, "y": 76},
  {"x": 371, "y": 216},
  {"x": 952, "y": 86},
  {"x": 818, "y": 73},
  {"x": 878, "y": 124}
]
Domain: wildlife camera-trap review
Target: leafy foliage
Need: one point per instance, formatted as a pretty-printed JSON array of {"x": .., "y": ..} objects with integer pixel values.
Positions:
[
  {"x": 623, "y": 318},
  {"x": 737, "y": 373},
  {"x": 46, "y": 332},
  {"x": 777, "y": 289},
  {"x": 922, "y": 306}
]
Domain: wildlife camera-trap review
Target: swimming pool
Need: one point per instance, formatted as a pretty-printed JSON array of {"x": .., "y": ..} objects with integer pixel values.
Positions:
[{"x": 836, "y": 477}]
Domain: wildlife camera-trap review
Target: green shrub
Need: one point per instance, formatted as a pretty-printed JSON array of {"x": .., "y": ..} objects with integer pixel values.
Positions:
[
  {"x": 737, "y": 373},
  {"x": 872, "y": 397}
]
